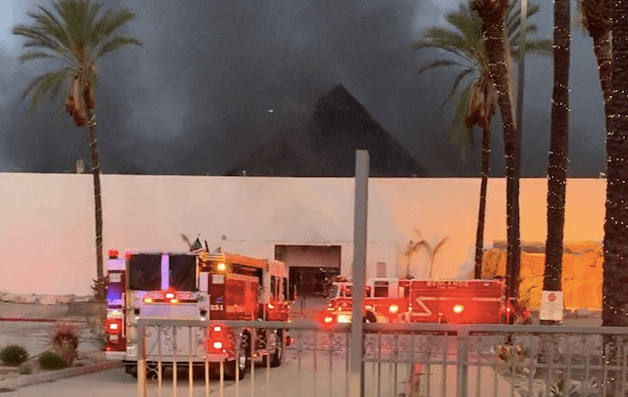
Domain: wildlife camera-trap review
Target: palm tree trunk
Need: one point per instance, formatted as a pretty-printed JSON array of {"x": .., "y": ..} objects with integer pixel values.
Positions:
[
  {"x": 479, "y": 236},
  {"x": 100, "y": 286},
  {"x": 492, "y": 13},
  {"x": 615, "y": 298},
  {"x": 559, "y": 144}
]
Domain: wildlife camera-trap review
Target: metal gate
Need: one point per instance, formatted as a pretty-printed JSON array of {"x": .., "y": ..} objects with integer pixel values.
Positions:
[{"x": 397, "y": 360}]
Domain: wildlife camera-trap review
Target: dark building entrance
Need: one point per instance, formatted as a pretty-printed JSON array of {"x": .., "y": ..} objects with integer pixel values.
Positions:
[{"x": 311, "y": 266}]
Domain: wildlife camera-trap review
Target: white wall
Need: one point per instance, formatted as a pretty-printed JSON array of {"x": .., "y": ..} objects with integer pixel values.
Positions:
[{"x": 47, "y": 225}]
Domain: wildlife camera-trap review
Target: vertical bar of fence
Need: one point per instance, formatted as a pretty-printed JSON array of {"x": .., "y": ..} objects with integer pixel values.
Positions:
[
  {"x": 495, "y": 377},
  {"x": 356, "y": 383},
  {"x": 550, "y": 366},
  {"x": 141, "y": 361},
  {"x": 428, "y": 372},
  {"x": 444, "y": 362},
  {"x": 513, "y": 365},
  {"x": 159, "y": 362},
  {"x": 567, "y": 363},
  {"x": 623, "y": 366},
  {"x": 532, "y": 369},
  {"x": 174, "y": 362},
  {"x": 238, "y": 340},
  {"x": 587, "y": 363},
  {"x": 347, "y": 365},
  {"x": 379, "y": 363},
  {"x": 315, "y": 372},
  {"x": 462, "y": 372},
  {"x": 222, "y": 377},
  {"x": 604, "y": 367},
  {"x": 206, "y": 368},
  {"x": 190, "y": 365},
  {"x": 331, "y": 364},
  {"x": 253, "y": 349},
  {"x": 299, "y": 352},
  {"x": 268, "y": 366},
  {"x": 395, "y": 364}
]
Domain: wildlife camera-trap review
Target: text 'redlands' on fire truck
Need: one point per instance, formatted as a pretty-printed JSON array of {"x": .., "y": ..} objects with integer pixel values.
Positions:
[
  {"x": 427, "y": 301},
  {"x": 195, "y": 287}
]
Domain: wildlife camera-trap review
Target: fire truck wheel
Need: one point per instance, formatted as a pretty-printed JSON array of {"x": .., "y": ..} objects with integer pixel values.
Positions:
[
  {"x": 241, "y": 362},
  {"x": 131, "y": 370},
  {"x": 275, "y": 351},
  {"x": 369, "y": 317}
]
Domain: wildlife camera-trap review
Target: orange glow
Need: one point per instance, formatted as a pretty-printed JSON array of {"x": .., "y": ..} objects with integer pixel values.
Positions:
[{"x": 458, "y": 309}]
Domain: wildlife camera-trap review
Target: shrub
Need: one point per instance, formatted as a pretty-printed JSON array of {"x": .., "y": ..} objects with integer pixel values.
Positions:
[
  {"x": 13, "y": 355},
  {"x": 50, "y": 360},
  {"x": 25, "y": 370},
  {"x": 65, "y": 341}
]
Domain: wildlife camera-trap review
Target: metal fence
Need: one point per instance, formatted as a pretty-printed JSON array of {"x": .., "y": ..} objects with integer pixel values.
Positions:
[{"x": 398, "y": 360}]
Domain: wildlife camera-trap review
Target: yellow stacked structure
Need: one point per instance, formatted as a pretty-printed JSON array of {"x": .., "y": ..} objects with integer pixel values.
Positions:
[{"x": 581, "y": 277}]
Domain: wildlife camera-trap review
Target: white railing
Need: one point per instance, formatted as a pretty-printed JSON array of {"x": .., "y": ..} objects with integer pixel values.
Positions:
[{"x": 397, "y": 359}]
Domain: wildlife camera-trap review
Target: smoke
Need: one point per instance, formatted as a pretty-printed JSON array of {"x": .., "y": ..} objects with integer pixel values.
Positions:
[{"x": 195, "y": 98}]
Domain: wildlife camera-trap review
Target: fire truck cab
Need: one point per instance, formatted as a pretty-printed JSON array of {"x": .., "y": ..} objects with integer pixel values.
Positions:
[
  {"x": 200, "y": 287},
  {"x": 385, "y": 300}
]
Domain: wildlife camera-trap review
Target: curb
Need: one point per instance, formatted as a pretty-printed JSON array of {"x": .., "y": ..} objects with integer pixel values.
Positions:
[
  {"x": 41, "y": 320},
  {"x": 26, "y": 380}
]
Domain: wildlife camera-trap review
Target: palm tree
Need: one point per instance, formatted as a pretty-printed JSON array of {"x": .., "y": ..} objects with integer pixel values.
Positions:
[
  {"x": 76, "y": 37},
  {"x": 493, "y": 16},
  {"x": 596, "y": 19},
  {"x": 615, "y": 298},
  {"x": 421, "y": 243},
  {"x": 559, "y": 144},
  {"x": 478, "y": 99}
]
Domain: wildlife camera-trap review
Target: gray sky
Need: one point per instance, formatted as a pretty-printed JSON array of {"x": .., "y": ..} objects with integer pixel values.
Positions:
[{"x": 195, "y": 98}]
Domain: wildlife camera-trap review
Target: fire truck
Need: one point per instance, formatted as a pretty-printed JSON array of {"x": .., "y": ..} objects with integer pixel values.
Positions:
[
  {"x": 203, "y": 286},
  {"x": 428, "y": 301}
]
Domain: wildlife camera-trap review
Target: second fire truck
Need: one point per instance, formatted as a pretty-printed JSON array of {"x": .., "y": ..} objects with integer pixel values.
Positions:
[
  {"x": 428, "y": 301},
  {"x": 203, "y": 286}
]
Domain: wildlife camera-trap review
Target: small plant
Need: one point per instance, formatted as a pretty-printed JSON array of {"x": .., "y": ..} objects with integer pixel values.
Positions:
[
  {"x": 25, "y": 370},
  {"x": 13, "y": 355},
  {"x": 51, "y": 360},
  {"x": 65, "y": 341}
]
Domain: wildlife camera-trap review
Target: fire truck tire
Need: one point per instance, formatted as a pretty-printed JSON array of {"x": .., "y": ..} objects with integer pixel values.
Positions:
[
  {"x": 241, "y": 362},
  {"x": 369, "y": 317},
  {"x": 276, "y": 354},
  {"x": 131, "y": 370}
]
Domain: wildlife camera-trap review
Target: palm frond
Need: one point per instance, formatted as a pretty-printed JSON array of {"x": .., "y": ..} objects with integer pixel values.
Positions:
[
  {"x": 438, "y": 37},
  {"x": 459, "y": 134},
  {"x": 27, "y": 56},
  {"x": 440, "y": 63},
  {"x": 47, "y": 83},
  {"x": 116, "y": 43},
  {"x": 454, "y": 86},
  {"x": 108, "y": 24},
  {"x": 50, "y": 26},
  {"x": 38, "y": 39},
  {"x": 438, "y": 246}
]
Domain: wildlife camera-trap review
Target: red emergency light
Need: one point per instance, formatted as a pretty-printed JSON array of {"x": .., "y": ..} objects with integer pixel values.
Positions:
[{"x": 113, "y": 254}]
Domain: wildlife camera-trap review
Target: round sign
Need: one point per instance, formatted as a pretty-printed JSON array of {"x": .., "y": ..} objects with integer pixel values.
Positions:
[{"x": 551, "y": 297}]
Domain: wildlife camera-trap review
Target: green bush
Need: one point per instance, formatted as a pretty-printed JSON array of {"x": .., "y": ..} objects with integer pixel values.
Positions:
[
  {"x": 25, "y": 370},
  {"x": 13, "y": 355},
  {"x": 50, "y": 360}
]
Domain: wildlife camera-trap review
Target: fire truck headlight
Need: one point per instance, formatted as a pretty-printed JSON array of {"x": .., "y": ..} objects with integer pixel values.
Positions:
[
  {"x": 148, "y": 300},
  {"x": 217, "y": 328},
  {"x": 217, "y": 345},
  {"x": 221, "y": 267},
  {"x": 270, "y": 306},
  {"x": 343, "y": 318},
  {"x": 113, "y": 326},
  {"x": 328, "y": 319},
  {"x": 458, "y": 309},
  {"x": 393, "y": 308},
  {"x": 169, "y": 295}
]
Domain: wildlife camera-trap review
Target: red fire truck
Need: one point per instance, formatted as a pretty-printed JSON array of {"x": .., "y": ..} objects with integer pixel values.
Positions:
[
  {"x": 200, "y": 286},
  {"x": 430, "y": 301}
]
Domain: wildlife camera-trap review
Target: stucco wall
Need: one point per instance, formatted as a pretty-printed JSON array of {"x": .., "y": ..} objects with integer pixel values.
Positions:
[{"x": 47, "y": 225}]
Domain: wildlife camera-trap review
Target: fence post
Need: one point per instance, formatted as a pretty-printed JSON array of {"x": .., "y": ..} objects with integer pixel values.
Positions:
[
  {"x": 463, "y": 363},
  {"x": 356, "y": 369},
  {"x": 141, "y": 361}
]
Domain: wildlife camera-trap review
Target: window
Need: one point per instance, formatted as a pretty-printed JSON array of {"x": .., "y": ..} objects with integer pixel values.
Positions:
[
  {"x": 381, "y": 289},
  {"x": 381, "y": 269},
  {"x": 273, "y": 287},
  {"x": 145, "y": 272}
]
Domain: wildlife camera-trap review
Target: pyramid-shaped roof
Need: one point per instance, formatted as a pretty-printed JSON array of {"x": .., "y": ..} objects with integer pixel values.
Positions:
[{"x": 325, "y": 144}]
